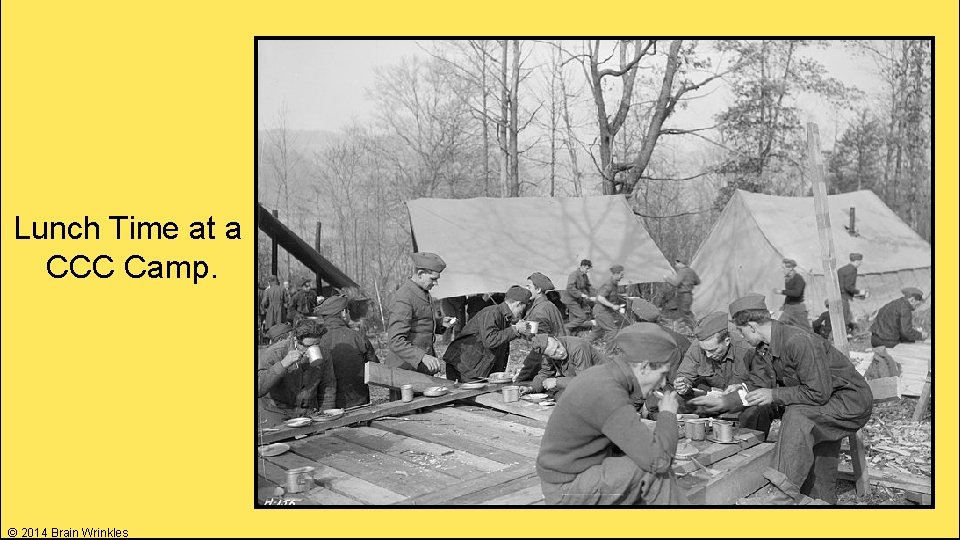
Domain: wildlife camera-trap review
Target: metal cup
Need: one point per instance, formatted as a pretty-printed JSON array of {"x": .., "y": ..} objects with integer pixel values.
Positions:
[
  {"x": 406, "y": 393},
  {"x": 299, "y": 479},
  {"x": 313, "y": 352},
  {"x": 533, "y": 326},
  {"x": 723, "y": 431},
  {"x": 696, "y": 430},
  {"x": 511, "y": 394}
]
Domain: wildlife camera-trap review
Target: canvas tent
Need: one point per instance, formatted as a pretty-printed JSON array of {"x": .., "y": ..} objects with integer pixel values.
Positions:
[
  {"x": 490, "y": 244},
  {"x": 745, "y": 250}
]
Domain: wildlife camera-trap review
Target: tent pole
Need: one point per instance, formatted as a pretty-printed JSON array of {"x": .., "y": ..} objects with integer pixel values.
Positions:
[{"x": 827, "y": 250}]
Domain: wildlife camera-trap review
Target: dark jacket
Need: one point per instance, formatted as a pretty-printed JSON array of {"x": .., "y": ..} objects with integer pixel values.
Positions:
[
  {"x": 301, "y": 386},
  {"x": 894, "y": 322},
  {"x": 847, "y": 276},
  {"x": 411, "y": 327},
  {"x": 348, "y": 351},
  {"x": 578, "y": 286},
  {"x": 580, "y": 357},
  {"x": 483, "y": 344},
  {"x": 610, "y": 291},
  {"x": 547, "y": 315},
  {"x": 273, "y": 303},
  {"x": 732, "y": 369},
  {"x": 793, "y": 289},
  {"x": 596, "y": 419}
]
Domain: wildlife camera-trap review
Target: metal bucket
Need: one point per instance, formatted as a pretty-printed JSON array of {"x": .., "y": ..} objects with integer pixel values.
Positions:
[{"x": 299, "y": 479}]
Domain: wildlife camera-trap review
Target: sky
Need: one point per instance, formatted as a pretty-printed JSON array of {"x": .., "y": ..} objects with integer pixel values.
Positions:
[{"x": 322, "y": 82}]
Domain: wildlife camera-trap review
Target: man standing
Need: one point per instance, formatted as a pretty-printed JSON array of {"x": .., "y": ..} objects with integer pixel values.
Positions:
[
  {"x": 610, "y": 307},
  {"x": 303, "y": 301},
  {"x": 289, "y": 384},
  {"x": 412, "y": 322},
  {"x": 721, "y": 361},
  {"x": 563, "y": 358},
  {"x": 274, "y": 303},
  {"x": 894, "y": 322},
  {"x": 348, "y": 350},
  {"x": 684, "y": 280},
  {"x": 595, "y": 450},
  {"x": 847, "y": 276},
  {"x": 548, "y": 318},
  {"x": 484, "y": 345},
  {"x": 824, "y": 397},
  {"x": 577, "y": 296},
  {"x": 794, "y": 311}
]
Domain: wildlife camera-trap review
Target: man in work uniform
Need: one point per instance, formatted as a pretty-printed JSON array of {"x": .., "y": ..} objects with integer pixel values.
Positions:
[
  {"x": 484, "y": 345},
  {"x": 822, "y": 324},
  {"x": 894, "y": 322},
  {"x": 720, "y": 361},
  {"x": 647, "y": 313},
  {"x": 794, "y": 311},
  {"x": 412, "y": 322},
  {"x": 595, "y": 450},
  {"x": 563, "y": 358},
  {"x": 610, "y": 308},
  {"x": 288, "y": 383},
  {"x": 303, "y": 301},
  {"x": 684, "y": 280},
  {"x": 348, "y": 350},
  {"x": 823, "y": 396},
  {"x": 847, "y": 276},
  {"x": 577, "y": 296},
  {"x": 274, "y": 303},
  {"x": 548, "y": 318}
]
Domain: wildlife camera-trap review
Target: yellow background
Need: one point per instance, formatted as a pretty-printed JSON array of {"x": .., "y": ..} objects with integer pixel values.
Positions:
[{"x": 128, "y": 403}]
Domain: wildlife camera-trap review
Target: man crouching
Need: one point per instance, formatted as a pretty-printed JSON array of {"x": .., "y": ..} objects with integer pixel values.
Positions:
[{"x": 595, "y": 449}]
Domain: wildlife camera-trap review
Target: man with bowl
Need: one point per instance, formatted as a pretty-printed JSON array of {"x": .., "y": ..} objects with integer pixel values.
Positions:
[
  {"x": 483, "y": 346},
  {"x": 595, "y": 450},
  {"x": 720, "y": 360},
  {"x": 293, "y": 378},
  {"x": 824, "y": 397},
  {"x": 562, "y": 359}
]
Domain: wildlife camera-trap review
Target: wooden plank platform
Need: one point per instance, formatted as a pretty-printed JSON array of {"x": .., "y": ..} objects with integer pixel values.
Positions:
[
  {"x": 467, "y": 454},
  {"x": 915, "y": 361}
]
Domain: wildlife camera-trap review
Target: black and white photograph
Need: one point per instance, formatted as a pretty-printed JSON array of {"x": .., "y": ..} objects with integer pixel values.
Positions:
[{"x": 519, "y": 272}]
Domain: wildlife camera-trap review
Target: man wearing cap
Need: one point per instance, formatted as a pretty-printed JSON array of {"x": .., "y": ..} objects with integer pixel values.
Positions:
[
  {"x": 823, "y": 396},
  {"x": 348, "y": 350},
  {"x": 894, "y": 322},
  {"x": 610, "y": 308},
  {"x": 484, "y": 345},
  {"x": 273, "y": 303},
  {"x": 562, "y": 359},
  {"x": 279, "y": 332},
  {"x": 289, "y": 384},
  {"x": 794, "y": 311},
  {"x": 647, "y": 313},
  {"x": 822, "y": 325},
  {"x": 577, "y": 296},
  {"x": 412, "y": 322},
  {"x": 595, "y": 450},
  {"x": 722, "y": 361},
  {"x": 684, "y": 280},
  {"x": 548, "y": 318},
  {"x": 847, "y": 277},
  {"x": 304, "y": 301}
]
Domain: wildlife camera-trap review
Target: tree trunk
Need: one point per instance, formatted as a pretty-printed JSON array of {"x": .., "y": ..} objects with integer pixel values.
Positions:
[
  {"x": 502, "y": 124},
  {"x": 514, "y": 175}
]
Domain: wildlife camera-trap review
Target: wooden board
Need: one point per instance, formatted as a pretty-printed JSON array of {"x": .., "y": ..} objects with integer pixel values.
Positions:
[
  {"x": 740, "y": 475},
  {"x": 462, "y": 489},
  {"x": 888, "y": 478},
  {"x": 365, "y": 414},
  {"x": 522, "y": 408},
  {"x": 915, "y": 361},
  {"x": 338, "y": 481},
  {"x": 520, "y": 491},
  {"x": 382, "y": 375},
  {"x": 490, "y": 433},
  {"x": 467, "y": 418},
  {"x": 885, "y": 389},
  {"x": 711, "y": 452},
  {"x": 449, "y": 436},
  {"x": 316, "y": 495},
  {"x": 394, "y": 474}
]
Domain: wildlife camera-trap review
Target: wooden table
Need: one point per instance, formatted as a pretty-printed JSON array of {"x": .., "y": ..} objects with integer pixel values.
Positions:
[{"x": 458, "y": 453}]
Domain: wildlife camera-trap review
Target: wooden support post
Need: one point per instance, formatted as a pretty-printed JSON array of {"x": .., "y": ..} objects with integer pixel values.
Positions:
[
  {"x": 858, "y": 455},
  {"x": 273, "y": 250},
  {"x": 923, "y": 401},
  {"x": 316, "y": 245},
  {"x": 827, "y": 250}
]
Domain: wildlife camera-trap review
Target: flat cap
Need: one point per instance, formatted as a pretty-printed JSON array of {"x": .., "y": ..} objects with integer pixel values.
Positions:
[
  {"x": 647, "y": 343},
  {"x": 586, "y": 262},
  {"x": 856, "y": 256},
  {"x": 332, "y": 306},
  {"x": 308, "y": 327},
  {"x": 617, "y": 268},
  {"x": 914, "y": 292},
  {"x": 711, "y": 324},
  {"x": 278, "y": 330},
  {"x": 790, "y": 263},
  {"x": 428, "y": 261},
  {"x": 541, "y": 282},
  {"x": 518, "y": 294},
  {"x": 645, "y": 311},
  {"x": 749, "y": 301}
]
